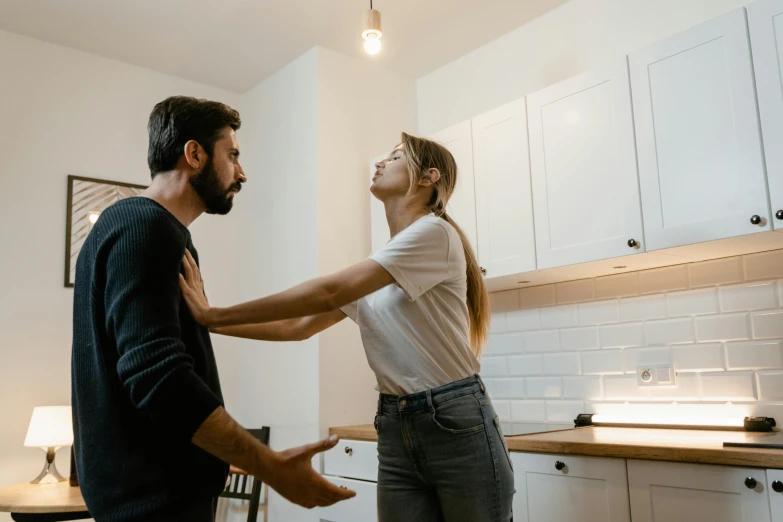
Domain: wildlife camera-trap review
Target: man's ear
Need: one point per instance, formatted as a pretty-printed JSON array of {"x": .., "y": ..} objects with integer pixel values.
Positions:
[{"x": 195, "y": 155}]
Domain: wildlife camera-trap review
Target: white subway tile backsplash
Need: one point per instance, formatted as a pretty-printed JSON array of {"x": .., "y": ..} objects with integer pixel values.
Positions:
[
  {"x": 504, "y": 344},
  {"x": 692, "y": 302},
  {"x": 583, "y": 388},
  {"x": 559, "y": 317},
  {"x": 643, "y": 308},
  {"x": 523, "y": 320},
  {"x": 687, "y": 388},
  {"x": 754, "y": 355},
  {"x": 563, "y": 411},
  {"x": 698, "y": 357},
  {"x": 767, "y": 325},
  {"x": 494, "y": 366},
  {"x": 503, "y": 409},
  {"x": 525, "y": 365},
  {"x": 622, "y": 335},
  {"x": 642, "y": 356},
  {"x": 754, "y": 296},
  {"x": 528, "y": 411},
  {"x": 669, "y": 331},
  {"x": 497, "y": 323},
  {"x": 602, "y": 362},
  {"x": 623, "y": 387},
  {"x": 724, "y": 327},
  {"x": 542, "y": 341},
  {"x": 544, "y": 387},
  {"x": 561, "y": 364},
  {"x": 513, "y": 388},
  {"x": 579, "y": 338},
  {"x": 770, "y": 385},
  {"x": 727, "y": 386},
  {"x": 601, "y": 312}
]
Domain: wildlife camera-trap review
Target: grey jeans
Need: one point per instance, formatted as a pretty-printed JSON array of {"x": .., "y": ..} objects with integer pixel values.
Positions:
[{"x": 442, "y": 457}]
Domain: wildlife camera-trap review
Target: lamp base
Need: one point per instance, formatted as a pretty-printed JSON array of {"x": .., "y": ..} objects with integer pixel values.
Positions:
[{"x": 49, "y": 473}]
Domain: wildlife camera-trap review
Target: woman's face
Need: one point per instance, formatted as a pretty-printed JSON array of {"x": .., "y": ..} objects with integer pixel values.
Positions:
[{"x": 391, "y": 176}]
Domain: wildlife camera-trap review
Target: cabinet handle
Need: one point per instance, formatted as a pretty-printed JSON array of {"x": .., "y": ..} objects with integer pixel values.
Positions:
[
  {"x": 349, "y": 451},
  {"x": 779, "y": 214},
  {"x": 633, "y": 243},
  {"x": 777, "y": 486},
  {"x": 755, "y": 220},
  {"x": 750, "y": 483},
  {"x": 483, "y": 271},
  {"x": 559, "y": 465}
]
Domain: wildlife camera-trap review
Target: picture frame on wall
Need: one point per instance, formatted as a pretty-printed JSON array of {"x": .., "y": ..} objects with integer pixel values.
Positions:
[{"x": 87, "y": 198}]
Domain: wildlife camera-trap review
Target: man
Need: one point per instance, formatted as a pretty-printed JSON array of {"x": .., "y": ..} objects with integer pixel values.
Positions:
[{"x": 152, "y": 438}]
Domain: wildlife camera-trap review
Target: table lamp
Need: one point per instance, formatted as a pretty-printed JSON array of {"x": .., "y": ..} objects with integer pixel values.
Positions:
[{"x": 50, "y": 428}]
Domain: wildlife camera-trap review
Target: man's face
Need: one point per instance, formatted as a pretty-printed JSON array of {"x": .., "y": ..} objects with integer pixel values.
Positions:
[{"x": 222, "y": 176}]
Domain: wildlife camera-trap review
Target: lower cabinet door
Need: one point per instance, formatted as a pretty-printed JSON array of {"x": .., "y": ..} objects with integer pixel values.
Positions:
[
  {"x": 677, "y": 492},
  {"x": 775, "y": 480},
  {"x": 559, "y": 488},
  {"x": 362, "y": 508}
]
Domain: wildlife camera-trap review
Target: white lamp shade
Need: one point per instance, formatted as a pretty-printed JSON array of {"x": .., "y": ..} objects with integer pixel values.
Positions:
[{"x": 50, "y": 427}]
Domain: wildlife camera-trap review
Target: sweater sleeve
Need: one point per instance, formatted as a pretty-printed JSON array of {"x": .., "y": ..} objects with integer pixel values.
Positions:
[{"x": 142, "y": 300}]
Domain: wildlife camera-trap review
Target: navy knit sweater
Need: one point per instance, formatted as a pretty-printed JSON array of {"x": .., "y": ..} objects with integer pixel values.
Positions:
[{"x": 143, "y": 371}]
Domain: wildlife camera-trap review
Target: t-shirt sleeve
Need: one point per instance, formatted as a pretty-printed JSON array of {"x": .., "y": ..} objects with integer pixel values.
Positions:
[
  {"x": 142, "y": 300},
  {"x": 417, "y": 258},
  {"x": 351, "y": 310}
]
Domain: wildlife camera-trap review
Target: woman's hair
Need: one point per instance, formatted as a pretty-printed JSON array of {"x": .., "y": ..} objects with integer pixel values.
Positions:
[{"x": 421, "y": 155}]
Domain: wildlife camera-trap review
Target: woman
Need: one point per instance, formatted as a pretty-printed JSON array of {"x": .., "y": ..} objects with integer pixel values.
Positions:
[{"x": 423, "y": 314}]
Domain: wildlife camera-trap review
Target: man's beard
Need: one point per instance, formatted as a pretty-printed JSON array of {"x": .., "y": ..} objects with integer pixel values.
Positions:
[{"x": 207, "y": 185}]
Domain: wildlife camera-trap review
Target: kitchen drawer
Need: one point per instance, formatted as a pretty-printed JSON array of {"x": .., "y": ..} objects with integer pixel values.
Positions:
[
  {"x": 361, "y": 508},
  {"x": 353, "y": 459}
]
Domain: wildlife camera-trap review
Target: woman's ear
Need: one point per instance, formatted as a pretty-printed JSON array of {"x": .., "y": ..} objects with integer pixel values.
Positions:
[{"x": 430, "y": 177}]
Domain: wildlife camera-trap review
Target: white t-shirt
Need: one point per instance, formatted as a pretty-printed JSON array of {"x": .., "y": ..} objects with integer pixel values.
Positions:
[{"x": 416, "y": 332}]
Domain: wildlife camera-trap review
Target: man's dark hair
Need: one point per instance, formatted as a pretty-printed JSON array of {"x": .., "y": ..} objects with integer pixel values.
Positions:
[{"x": 179, "y": 119}]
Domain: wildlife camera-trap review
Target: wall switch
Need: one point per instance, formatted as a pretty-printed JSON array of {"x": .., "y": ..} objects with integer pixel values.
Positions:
[{"x": 656, "y": 375}]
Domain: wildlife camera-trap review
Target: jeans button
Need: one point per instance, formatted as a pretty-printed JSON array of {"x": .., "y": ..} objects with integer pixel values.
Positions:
[{"x": 403, "y": 403}]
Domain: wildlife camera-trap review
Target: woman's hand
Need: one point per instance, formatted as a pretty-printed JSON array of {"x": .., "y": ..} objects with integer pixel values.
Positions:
[{"x": 192, "y": 288}]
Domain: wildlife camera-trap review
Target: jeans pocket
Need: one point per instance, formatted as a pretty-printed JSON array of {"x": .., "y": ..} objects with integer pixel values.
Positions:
[
  {"x": 460, "y": 416},
  {"x": 377, "y": 423},
  {"x": 496, "y": 421}
]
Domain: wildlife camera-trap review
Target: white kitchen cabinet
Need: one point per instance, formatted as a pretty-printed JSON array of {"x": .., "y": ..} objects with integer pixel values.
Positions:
[
  {"x": 766, "y": 36},
  {"x": 504, "y": 206},
  {"x": 583, "y": 163},
  {"x": 462, "y": 205},
  {"x": 555, "y": 488},
  {"x": 679, "y": 492},
  {"x": 775, "y": 481},
  {"x": 353, "y": 464},
  {"x": 701, "y": 168},
  {"x": 361, "y": 508}
]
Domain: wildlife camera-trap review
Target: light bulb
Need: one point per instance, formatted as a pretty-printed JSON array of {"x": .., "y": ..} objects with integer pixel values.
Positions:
[{"x": 372, "y": 44}]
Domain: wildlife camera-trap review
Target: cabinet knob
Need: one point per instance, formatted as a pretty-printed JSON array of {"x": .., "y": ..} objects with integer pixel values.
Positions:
[
  {"x": 779, "y": 214},
  {"x": 559, "y": 465},
  {"x": 349, "y": 451},
  {"x": 750, "y": 483},
  {"x": 633, "y": 243},
  {"x": 777, "y": 486},
  {"x": 755, "y": 220},
  {"x": 483, "y": 271}
]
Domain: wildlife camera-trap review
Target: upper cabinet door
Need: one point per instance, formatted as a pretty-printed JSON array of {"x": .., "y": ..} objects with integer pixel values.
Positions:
[
  {"x": 504, "y": 208},
  {"x": 462, "y": 205},
  {"x": 583, "y": 161},
  {"x": 698, "y": 139},
  {"x": 766, "y": 36}
]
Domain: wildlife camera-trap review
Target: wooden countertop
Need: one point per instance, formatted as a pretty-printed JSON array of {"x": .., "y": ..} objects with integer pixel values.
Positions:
[
  {"x": 698, "y": 446},
  {"x": 41, "y": 498}
]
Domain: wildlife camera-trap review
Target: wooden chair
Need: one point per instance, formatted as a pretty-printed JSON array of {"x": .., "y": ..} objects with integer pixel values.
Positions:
[{"x": 245, "y": 487}]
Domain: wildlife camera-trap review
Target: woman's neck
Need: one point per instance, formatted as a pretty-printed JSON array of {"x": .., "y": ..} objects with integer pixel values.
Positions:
[{"x": 400, "y": 214}]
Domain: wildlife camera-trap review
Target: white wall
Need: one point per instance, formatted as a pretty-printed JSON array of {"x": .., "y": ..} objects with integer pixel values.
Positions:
[
  {"x": 362, "y": 111},
  {"x": 65, "y": 112},
  {"x": 574, "y": 38}
]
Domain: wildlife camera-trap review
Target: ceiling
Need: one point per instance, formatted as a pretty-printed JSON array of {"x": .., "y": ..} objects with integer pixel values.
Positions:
[{"x": 235, "y": 44}]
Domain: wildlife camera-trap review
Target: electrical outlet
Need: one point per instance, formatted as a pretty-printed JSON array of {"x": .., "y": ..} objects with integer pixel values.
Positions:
[{"x": 656, "y": 375}]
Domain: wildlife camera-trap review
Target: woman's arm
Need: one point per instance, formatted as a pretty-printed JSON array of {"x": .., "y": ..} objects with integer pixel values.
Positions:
[
  {"x": 298, "y": 329},
  {"x": 314, "y": 297}
]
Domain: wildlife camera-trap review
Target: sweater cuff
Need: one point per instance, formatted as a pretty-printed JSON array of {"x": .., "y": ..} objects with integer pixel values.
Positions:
[{"x": 181, "y": 404}]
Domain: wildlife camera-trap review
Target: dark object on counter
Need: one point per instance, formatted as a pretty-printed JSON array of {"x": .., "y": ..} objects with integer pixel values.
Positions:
[
  {"x": 583, "y": 419},
  {"x": 752, "y": 445},
  {"x": 759, "y": 423}
]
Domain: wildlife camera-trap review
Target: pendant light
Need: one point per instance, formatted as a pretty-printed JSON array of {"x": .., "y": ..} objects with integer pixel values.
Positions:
[{"x": 372, "y": 31}]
